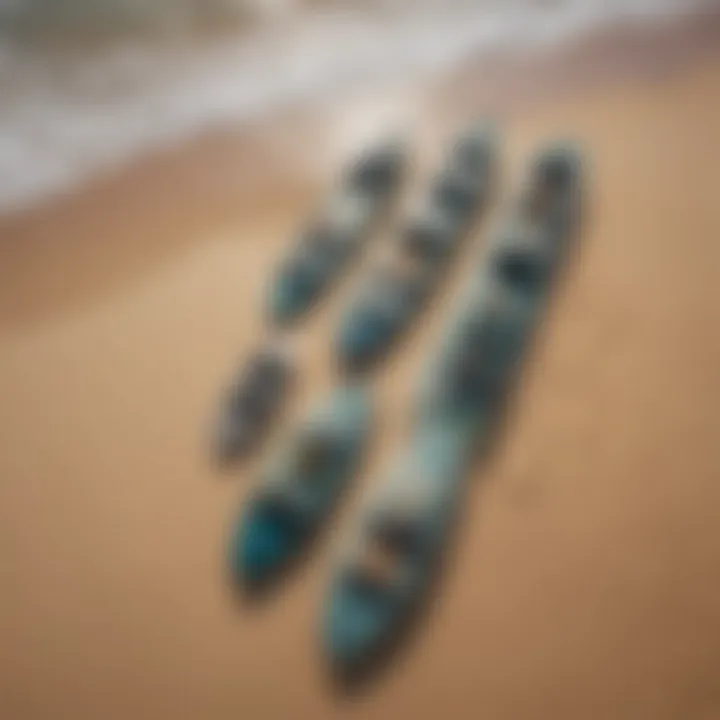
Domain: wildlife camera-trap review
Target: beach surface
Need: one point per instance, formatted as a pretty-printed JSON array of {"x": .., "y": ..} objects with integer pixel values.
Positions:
[{"x": 584, "y": 583}]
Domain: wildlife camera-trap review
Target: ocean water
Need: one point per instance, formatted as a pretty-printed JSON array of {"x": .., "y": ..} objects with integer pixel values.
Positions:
[{"x": 88, "y": 84}]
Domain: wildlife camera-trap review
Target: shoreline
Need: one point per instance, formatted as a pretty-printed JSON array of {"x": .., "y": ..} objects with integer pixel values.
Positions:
[
  {"x": 142, "y": 214},
  {"x": 511, "y": 82}
]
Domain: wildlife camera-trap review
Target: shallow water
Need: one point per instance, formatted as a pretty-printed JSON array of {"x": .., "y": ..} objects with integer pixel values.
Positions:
[{"x": 88, "y": 85}]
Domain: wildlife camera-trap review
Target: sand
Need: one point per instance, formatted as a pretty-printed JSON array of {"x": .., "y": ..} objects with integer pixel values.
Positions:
[{"x": 585, "y": 579}]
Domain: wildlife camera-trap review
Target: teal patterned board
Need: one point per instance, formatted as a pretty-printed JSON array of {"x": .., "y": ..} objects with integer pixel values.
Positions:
[
  {"x": 252, "y": 403},
  {"x": 370, "y": 592},
  {"x": 335, "y": 236},
  {"x": 300, "y": 486}
]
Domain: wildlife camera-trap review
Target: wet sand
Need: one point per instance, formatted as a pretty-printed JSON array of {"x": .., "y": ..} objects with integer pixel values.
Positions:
[{"x": 585, "y": 581}]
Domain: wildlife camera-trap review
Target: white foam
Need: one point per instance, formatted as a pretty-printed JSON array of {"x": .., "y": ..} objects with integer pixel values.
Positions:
[{"x": 65, "y": 117}]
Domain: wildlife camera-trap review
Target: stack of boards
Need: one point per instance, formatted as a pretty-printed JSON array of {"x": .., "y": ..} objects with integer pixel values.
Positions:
[
  {"x": 395, "y": 546},
  {"x": 391, "y": 552}
]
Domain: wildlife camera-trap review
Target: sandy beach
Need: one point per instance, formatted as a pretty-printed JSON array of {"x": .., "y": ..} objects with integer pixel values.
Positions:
[{"x": 585, "y": 580}]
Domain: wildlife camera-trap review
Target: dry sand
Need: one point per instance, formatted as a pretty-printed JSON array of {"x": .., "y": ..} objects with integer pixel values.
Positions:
[{"x": 585, "y": 582}]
